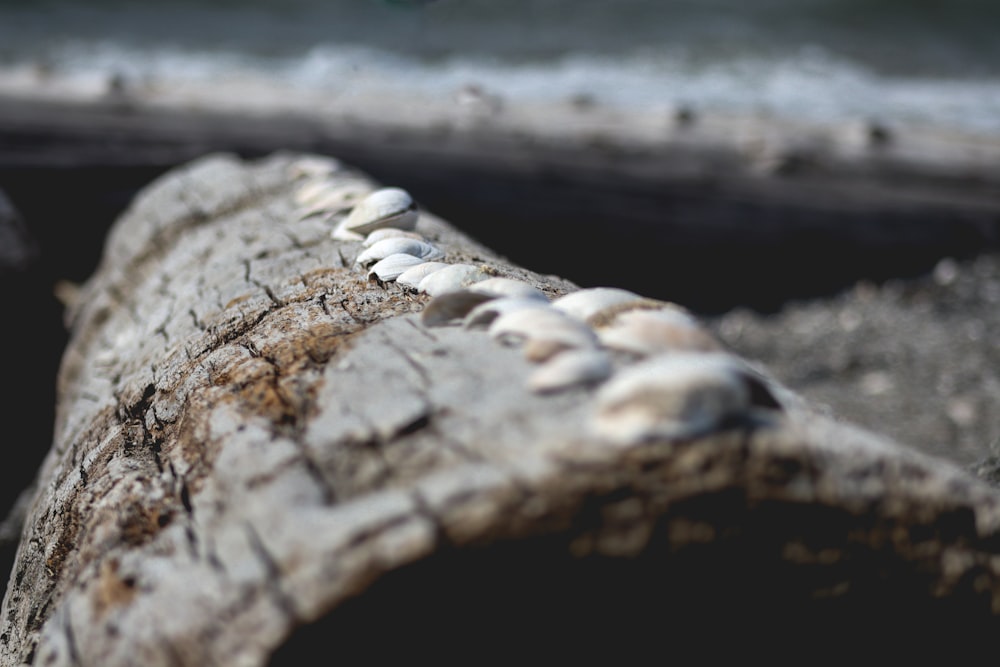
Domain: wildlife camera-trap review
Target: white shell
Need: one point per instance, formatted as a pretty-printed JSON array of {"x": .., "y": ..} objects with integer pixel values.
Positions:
[
  {"x": 412, "y": 276},
  {"x": 483, "y": 315},
  {"x": 309, "y": 190},
  {"x": 571, "y": 368},
  {"x": 386, "y": 207},
  {"x": 671, "y": 396},
  {"x": 584, "y": 303},
  {"x": 334, "y": 199},
  {"x": 608, "y": 314},
  {"x": 542, "y": 332},
  {"x": 397, "y": 245},
  {"x": 452, "y": 277},
  {"x": 341, "y": 233},
  {"x": 317, "y": 190},
  {"x": 391, "y": 267},
  {"x": 452, "y": 305},
  {"x": 388, "y": 232},
  {"x": 312, "y": 189},
  {"x": 508, "y": 287},
  {"x": 649, "y": 332}
]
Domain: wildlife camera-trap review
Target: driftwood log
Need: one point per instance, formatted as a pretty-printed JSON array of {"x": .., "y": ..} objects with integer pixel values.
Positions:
[{"x": 261, "y": 455}]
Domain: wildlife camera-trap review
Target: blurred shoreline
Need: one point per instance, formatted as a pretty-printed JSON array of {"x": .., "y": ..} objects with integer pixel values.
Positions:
[{"x": 806, "y": 60}]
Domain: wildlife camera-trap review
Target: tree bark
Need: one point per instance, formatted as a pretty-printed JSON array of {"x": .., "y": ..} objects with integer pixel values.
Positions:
[{"x": 260, "y": 454}]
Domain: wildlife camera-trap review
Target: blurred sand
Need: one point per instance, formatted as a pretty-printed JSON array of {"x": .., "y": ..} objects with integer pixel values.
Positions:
[{"x": 916, "y": 360}]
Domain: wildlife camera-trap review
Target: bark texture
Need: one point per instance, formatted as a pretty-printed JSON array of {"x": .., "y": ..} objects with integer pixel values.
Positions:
[{"x": 259, "y": 454}]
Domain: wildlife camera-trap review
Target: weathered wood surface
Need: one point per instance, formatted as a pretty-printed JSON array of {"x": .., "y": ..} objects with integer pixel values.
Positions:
[{"x": 253, "y": 440}]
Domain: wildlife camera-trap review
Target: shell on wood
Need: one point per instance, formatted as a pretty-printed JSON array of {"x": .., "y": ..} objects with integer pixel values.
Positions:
[
  {"x": 649, "y": 332},
  {"x": 571, "y": 368},
  {"x": 483, "y": 315},
  {"x": 325, "y": 194},
  {"x": 413, "y": 275},
  {"x": 398, "y": 245},
  {"x": 386, "y": 207},
  {"x": 388, "y": 232},
  {"x": 311, "y": 190},
  {"x": 584, "y": 303},
  {"x": 388, "y": 269},
  {"x": 671, "y": 396},
  {"x": 542, "y": 332},
  {"x": 608, "y": 314},
  {"x": 452, "y": 305},
  {"x": 452, "y": 277},
  {"x": 509, "y": 287}
]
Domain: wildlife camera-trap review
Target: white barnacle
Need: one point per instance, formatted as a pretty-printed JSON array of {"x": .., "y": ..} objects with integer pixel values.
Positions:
[
  {"x": 509, "y": 287},
  {"x": 584, "y": 303},
  {"x": 650, "y": 332},
  {"x": 412, "y": 276},
  {"x": 483, "y": 315},
  {"x": 388, "y": 269},
  {"x": 452, "y": 277},
  {"x": 398, "y": 245},
  {"x": 571, "y": 368},
  {"x": 386, "y": 207},
  {"x": 672, "y": 396},
  {"x": 542, "y": 332}
]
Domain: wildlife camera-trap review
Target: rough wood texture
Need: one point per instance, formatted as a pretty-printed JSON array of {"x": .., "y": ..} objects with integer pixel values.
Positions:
[{"x": 259, "y": 454}]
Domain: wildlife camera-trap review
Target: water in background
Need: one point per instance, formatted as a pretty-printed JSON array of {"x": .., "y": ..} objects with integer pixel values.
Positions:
[{"x": 904, "y": 60}]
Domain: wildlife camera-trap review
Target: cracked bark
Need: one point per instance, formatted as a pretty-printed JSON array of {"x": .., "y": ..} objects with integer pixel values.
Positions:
[{"x": 259, "y": 454}]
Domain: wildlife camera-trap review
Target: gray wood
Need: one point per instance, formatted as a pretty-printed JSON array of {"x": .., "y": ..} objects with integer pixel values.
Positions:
[{"x": 251, "y": 437}]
